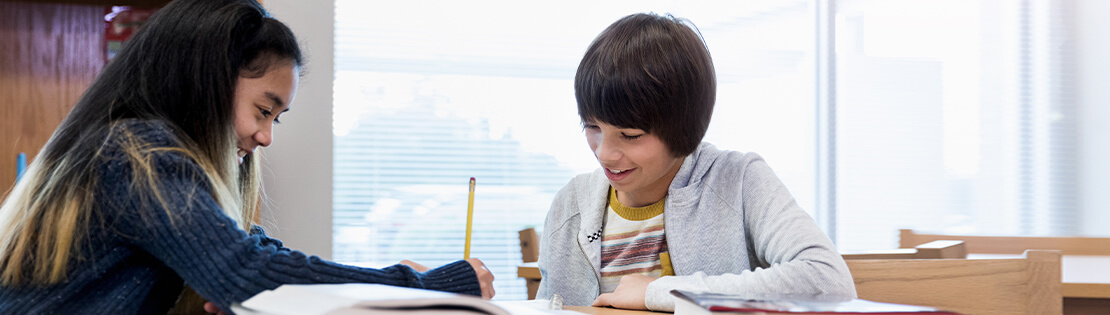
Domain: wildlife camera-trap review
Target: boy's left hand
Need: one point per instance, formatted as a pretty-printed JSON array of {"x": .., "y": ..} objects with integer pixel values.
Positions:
[{"x": 628, "y": 295}]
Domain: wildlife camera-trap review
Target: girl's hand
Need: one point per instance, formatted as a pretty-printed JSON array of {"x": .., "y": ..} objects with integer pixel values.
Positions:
[
  {"x": 485, "y": 277},
  {"x": 414, "y": 265},
  {"x": 212, "y": 309},
  {"x": 628, "y": 295}
]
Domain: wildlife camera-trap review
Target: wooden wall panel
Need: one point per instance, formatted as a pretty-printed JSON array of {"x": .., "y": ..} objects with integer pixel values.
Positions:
[
  {"x": 132, "y": 3},
  {"x": 49, "y": 54}
]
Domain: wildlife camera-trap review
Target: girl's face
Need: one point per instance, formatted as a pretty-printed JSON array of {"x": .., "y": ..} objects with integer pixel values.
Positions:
[
  {"x": 258, "y": 104},
  {"x": 639, "y": 165}
]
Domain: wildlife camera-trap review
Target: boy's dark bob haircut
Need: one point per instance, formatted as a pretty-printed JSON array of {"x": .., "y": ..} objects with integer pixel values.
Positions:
[{"x": 653, "y": 73}]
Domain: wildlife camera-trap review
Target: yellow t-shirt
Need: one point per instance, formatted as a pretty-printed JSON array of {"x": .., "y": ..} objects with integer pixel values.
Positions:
[{"x": 633, "y": 242}]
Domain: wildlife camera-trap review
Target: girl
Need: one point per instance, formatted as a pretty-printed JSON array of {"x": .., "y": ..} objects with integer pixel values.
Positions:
[
  {"x": 665, "y": 210},
  {"x": 151, "y": 181}
]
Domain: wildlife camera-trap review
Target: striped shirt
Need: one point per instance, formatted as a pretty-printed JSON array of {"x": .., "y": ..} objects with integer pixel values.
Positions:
[{"x": 633, "y": 242}]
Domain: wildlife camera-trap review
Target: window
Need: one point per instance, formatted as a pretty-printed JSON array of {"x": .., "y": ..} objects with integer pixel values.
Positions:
[
  {"x": 953, "y": 116},
  {"x": 431, "y": 93}
]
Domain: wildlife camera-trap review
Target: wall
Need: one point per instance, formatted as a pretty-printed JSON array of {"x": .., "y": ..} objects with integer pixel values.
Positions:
[
  {"x": 300, "y": 163},
  {"x": 49, "y": 54},
  {"x": 52, "y": 52},
  {"x": 298, "y": 166},
  {"x": 1093, "y": 45}
]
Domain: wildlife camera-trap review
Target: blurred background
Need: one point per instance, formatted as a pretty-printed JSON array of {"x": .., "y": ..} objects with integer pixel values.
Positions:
[{"x": 960, "y": 117}]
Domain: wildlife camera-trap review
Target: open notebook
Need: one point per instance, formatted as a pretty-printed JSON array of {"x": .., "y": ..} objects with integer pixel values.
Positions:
[
  {"x": 362, "y": 298},
  {"x": 698, "y": 303}
]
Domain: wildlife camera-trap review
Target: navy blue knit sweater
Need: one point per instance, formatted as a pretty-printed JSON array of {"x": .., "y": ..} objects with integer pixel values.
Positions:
[{"x": 138, "y": 254}]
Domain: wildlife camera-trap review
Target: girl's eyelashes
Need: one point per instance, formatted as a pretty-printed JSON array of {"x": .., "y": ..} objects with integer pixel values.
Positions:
[{"x": 267, "y": 114}]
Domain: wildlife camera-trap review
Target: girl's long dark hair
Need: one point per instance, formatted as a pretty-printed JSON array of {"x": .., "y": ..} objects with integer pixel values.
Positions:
[{"x": 181, "y": 68}]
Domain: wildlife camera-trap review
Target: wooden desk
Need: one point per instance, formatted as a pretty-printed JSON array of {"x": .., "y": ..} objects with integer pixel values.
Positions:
[
  {"x": 1083, "y": 276},
  {"x": 531, "y": 272},
  {"x": 608, "y": 311},
  {"x": 1086, "y": 282}
]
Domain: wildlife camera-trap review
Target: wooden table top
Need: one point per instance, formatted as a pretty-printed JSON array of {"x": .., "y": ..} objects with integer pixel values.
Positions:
[
  {"x": 608, "y": 311},
  {"x": 1083, "y": 276}
]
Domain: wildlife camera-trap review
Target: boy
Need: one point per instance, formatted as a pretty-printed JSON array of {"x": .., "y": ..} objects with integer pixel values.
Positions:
[{"x": 666, "y": 211}]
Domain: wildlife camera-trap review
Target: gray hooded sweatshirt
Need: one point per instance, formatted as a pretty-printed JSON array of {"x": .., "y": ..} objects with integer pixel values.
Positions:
[{"x": 730, "y": 224}]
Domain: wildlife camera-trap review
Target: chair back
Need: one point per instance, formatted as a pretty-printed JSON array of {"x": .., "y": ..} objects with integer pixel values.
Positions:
[
  {"x": 932, "y": 250},
  {"x": 1026, "y": 285},
  {"x": 1013, "y": 245},
  {"x": 529, "y": 254},
  {"x": 529, "y": 245}
]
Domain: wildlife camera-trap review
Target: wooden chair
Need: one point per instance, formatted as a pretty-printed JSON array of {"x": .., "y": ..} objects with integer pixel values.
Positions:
[
  {"x": 529, "y": 254},
  {"x": 1014, "y": 245},
  {"x": 944, "y": 249},
  {"x": 1085, "y": 288},
  {"x": 1027, "y": 285}
]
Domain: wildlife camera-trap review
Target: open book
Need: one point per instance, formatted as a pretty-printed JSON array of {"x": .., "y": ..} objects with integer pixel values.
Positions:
[
  {"x": 696, "y": 303},
  {"x": 362, "y": 298}
]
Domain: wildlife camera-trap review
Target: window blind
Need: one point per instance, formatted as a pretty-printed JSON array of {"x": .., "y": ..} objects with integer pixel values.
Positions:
[
  {"x": 431, "y": 93},
  {"x": 953, "y": 117}
]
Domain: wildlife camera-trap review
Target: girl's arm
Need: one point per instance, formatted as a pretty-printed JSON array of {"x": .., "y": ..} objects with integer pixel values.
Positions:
[{"x": 191, "y": 235}]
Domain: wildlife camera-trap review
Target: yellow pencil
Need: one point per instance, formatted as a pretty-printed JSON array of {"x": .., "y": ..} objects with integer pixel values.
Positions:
[{"x": 469, "y": 219}]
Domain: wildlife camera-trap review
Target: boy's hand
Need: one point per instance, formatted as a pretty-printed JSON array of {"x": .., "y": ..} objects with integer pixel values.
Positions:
[
  {"x": 485, "y": 277},
  {"x": 628, "y": 295}
]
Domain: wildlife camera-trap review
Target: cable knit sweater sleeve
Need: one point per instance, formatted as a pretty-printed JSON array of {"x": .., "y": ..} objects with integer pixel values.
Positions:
[{"x": 225, "y": 264}]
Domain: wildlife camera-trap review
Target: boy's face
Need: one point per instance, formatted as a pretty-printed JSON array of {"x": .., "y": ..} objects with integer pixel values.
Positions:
[{"x": 639, "y": 165}]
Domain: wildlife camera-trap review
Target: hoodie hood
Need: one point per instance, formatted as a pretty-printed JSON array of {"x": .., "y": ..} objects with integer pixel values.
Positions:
[{"x": 693, "y": 170}]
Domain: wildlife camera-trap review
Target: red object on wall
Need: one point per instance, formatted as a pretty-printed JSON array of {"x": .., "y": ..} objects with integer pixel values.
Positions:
[{"x": 120, "y": 23}]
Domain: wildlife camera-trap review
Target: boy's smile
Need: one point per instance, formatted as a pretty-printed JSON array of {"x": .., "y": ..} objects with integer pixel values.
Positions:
[
  {"x": 639, "y": 165},
  {"x": 615, "y": 175}
]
